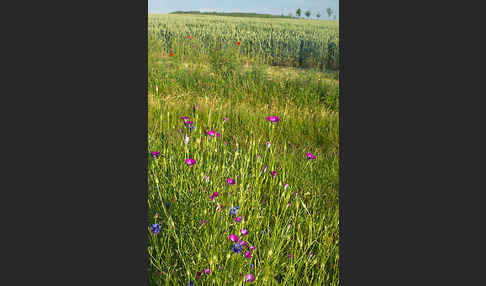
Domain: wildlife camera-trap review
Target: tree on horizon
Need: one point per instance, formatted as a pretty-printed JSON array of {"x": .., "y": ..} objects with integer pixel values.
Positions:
[
  {"x": 329, "y": 11},
  {"x": 298, "y": 12},
  {"x": 308, "y": 13}
]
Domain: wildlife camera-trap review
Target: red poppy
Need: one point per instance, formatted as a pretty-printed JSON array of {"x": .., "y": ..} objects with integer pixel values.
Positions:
[
  {"x": 238, "y": 43},
  {"x": 189, "y": 36},
  {"x": 171, "y": 54}
]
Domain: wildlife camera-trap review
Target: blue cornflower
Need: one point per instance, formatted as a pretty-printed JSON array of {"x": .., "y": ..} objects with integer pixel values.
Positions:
[
  {"x": 236, "y": 248},
  {"x": 155, "y": 228},
  {"x": 252, "y": 266},
  {"x": 191, "y": 283},
  {"x": 234, "y": 210},
  {"x": 167, "y": 205}
]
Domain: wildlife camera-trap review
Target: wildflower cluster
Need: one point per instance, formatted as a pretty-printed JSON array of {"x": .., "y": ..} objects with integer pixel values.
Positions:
[{"x": 239, "y": 233}]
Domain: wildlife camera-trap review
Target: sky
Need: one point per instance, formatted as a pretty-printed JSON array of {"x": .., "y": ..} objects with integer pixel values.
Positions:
[{"x": 275, "y": 7}]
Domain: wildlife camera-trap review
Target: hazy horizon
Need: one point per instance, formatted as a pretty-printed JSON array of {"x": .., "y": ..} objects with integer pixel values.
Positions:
[{"x": 274, "y": 7}]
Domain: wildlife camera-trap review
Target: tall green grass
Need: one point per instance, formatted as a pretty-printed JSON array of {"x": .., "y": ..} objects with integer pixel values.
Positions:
[
  {"x": 222, "y": 73},
  {"x": 285, "y": 42},
  {"x": 308, "y": 225}
]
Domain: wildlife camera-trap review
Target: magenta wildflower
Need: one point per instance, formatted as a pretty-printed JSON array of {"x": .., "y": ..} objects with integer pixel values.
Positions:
[
  {"x": 238, "y": 218},
  {"x": 268, "y": 144},
  {"x": 210, "y": 133},
  {"x": 184, "y": 118},
  {"x": 286, "y": 186},
  {"x": 219, "y": 267},
  {"x": 249, "y": 277},
  {"x": 198, "y": 274},
  {"x": 243, "y": 243},
  {"x": 252, "y": 247},
  {"x": 155, "y": 154},
  {"x": 273, "y": 119},
  {"x": 218, "y": 135},
  {"x": 310, "y": 156},
  {"x": 225, "y": 118},
  {"x": 244, "y": 231},
  {"x": 265, "y": 169},
  {"x": 203, "y": 221},
  {"x": 230, "y": 181},
  {"x": 288, "y": 204},
  {"x": 207, "y": 271},
  {"x": 190, "y": 162},
  {"x": 187, "y": 122},
  {"x": 215, "y": 194},
  {"x": 247, "y": 254},
  {"x": 233, "y": 237},
  {"x": 274, "y": 174}
]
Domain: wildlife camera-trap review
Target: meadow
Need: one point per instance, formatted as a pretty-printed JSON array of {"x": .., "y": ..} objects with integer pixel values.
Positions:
[{"x": 243, "y": 166}]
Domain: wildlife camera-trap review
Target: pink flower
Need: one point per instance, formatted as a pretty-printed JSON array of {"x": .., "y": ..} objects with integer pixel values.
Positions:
[
  {"x": 198, "y": 274},
  {"x": 203, "y": 221},
  {"x": 207, "y": 271},
  {"x": 273, "y": 119},
  {"x": 190, "y": 162},
  {"x": 243, "y": 243},
  {"x": 218, "y": 135},
  {"x": 233, "y": 237},
  {"x": 310, "y": 156},
  {"x": 247, "y": 254},
  {"x": 274, "y": 174},
  {"x": 238, "y": 218},
  {"x": 230, "y": 181},
  {"x": 286, "y": 186},
  {"x": 249, "y": 277},
  {"x": 210, "y": 133},
  {"x": 252, "y": 247},
  {"x": 215, "y": 194},
  {"x": 244, "y": 232}
]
